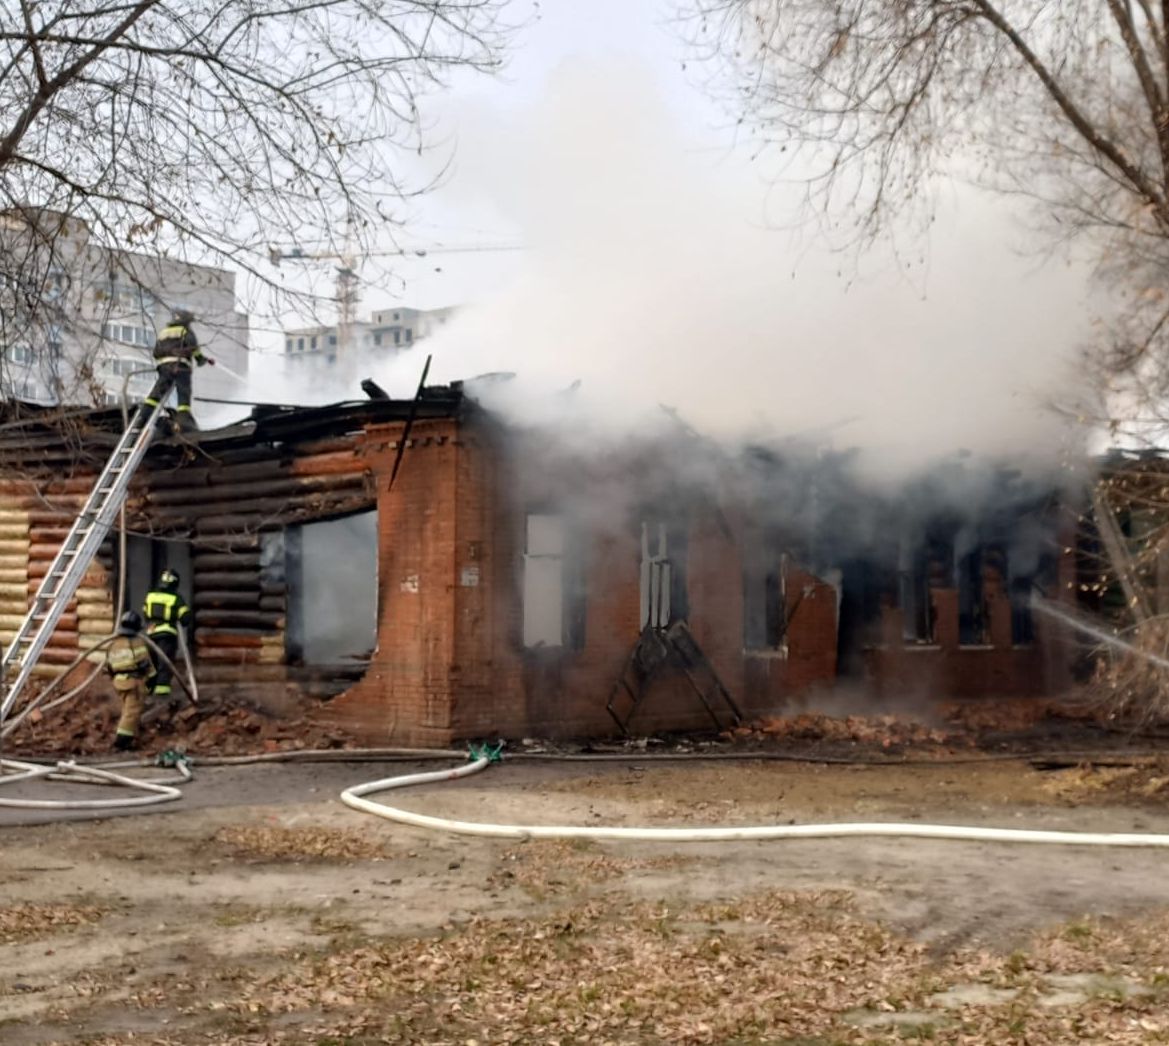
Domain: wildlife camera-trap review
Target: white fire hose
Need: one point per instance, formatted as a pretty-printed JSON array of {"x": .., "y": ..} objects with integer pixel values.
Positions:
[
  {"x": 157, "y": 791},
  {"x": 355, "y": 797}
]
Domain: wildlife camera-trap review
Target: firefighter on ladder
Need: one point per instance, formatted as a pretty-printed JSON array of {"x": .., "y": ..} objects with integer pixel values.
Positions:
[
  {"x": 129, "y": 664},
  {"x": 165, "y": 612},
  {"x": 175, "y": 352}
]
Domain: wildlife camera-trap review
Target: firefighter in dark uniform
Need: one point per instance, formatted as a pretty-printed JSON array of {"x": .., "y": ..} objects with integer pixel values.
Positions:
[
  {"x": 165, "y": 612},
  {"x": 175, "y": 352},
  {"x": 129, "y": 664}
]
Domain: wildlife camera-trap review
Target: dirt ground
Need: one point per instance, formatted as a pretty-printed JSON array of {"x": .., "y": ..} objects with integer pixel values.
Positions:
[{"x": 260, "y": 909}]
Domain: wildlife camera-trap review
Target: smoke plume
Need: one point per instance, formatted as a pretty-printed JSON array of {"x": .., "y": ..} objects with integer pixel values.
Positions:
[{"x": 651, "y": 281}]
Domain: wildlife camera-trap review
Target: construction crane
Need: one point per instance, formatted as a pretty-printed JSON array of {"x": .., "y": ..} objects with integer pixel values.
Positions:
[{"x": 347, "y": 294}]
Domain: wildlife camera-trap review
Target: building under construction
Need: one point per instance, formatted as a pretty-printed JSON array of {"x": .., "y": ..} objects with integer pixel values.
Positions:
[{"x": 420, "y": 572}]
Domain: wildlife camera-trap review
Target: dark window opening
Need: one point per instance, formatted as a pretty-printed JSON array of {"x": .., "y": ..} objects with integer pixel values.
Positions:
[
  {"x": 331, "y": 575},
  {"x": 146, "y": 558},
  {"x": 971, "y": 609},
  {"x": 764, "y": 592},
  {"x": 865, "y": 587},
  {"x": 917, "y": 623}
]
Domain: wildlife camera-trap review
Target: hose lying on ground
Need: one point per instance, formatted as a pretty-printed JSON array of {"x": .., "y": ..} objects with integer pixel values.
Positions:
[
  {"x": 355, "y": 797},
  {"x": 157, "y": 791}
]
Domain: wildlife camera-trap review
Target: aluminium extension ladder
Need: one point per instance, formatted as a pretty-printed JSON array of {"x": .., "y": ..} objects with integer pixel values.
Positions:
[{"x": 89, "y": 529}]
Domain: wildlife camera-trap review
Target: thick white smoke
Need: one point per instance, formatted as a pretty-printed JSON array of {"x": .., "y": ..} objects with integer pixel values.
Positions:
[{"x": 652, "y": 280}]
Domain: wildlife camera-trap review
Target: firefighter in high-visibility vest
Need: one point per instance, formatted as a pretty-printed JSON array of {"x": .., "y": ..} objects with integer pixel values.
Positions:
[
  {"x": 175, "y": 352},
  {"x": 129, "y": 664},
  {"x": 165, "y": 612}
]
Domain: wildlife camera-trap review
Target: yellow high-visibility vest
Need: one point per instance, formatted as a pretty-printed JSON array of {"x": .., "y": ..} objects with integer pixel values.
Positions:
[{"x": 163, "y": 610}]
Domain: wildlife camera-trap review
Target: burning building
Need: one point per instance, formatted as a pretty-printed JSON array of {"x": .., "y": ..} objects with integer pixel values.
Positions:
[{"x": 421, "y": 572}]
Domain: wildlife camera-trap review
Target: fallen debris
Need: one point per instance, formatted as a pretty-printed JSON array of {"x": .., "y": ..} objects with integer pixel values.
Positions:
[{"x": 86, "y": 727}]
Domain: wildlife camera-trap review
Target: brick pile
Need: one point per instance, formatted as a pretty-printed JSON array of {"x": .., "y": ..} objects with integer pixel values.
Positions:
[{"x": 86, "y": 726}]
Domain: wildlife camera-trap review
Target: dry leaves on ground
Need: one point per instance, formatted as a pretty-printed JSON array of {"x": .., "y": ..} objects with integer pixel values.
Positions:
[
  {"x": 36, "y": 920},
  {"x": 301, "y": 842},
  {"x": 775, "y": 967},
  {"x": 881, "y": 731},
  {"x": 1145, "y": 781},
  {"x": 704, "y": 973},
  {"x": 554, "y": 866}
]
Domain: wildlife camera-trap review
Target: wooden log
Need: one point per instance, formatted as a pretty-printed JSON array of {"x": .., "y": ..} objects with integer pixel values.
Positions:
[
  {"x": 272, "y": 655},
  {"x": 228, "y": 618},
  {"x": 261, "y": 462},
  {"x": 95, "y": 627},
  {"x": 225, "y": 561},
  {"x": 262, "y": 506},
  {"x": 100, "y": 593},
  {"x": 61, "y": 654},
  {"x": 273, "y": 603},
  {"x": 260, "y": 487},
  {"x": 287, "y": 514},
  {"x": 67, "y": 622},
  {"x": 228, "y": 637},
  {"x": 249, "y": 599},
  {"x": 228, "y": 655},
  {"x": 228, "y": 581},
  {"x": 14, "y": 532},
  {"x": 227, "y": 545},
  {"x": 96, "y": 577}
]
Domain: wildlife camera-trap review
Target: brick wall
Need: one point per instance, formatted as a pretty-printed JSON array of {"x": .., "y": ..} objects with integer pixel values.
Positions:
[
  {"x": 451, "y": 664},
  {"x": 945, "y": 668},
  {"x": 406, "y": 694}
]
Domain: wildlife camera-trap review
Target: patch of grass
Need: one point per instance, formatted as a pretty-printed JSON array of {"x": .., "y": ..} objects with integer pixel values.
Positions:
[
  {"x": 231, "y": 915},
  {"x": 1079, "y": 931}
]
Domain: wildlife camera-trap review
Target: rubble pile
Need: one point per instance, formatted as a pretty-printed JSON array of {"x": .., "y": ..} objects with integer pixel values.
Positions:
[
  {"x": 884, "y": 731},
  {"x": 85, "y": 726}
]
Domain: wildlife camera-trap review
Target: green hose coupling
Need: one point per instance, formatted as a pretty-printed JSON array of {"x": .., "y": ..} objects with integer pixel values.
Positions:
[
  {"x": 493, "y": 753},
  {"x": 172, "y": 757}
]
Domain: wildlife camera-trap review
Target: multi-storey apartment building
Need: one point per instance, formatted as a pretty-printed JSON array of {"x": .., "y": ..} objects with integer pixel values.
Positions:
[
  {"x": 388, "y": 330},
  {"x": 78, "y": 319}
]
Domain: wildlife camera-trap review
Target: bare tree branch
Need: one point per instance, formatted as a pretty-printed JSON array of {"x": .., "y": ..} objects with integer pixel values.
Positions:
[{"x": 209, "y": 130}]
